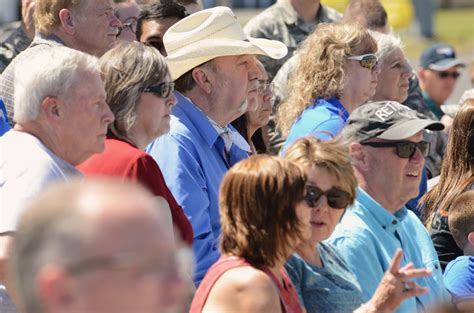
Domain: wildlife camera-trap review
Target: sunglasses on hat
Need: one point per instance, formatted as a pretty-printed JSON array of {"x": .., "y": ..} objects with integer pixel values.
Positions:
[
  {"x": 162, "y": 90},
  {"x": 404, "y": 149},
  {"x": 336, "y": 198},
  {"x": 366, "y": 60}
]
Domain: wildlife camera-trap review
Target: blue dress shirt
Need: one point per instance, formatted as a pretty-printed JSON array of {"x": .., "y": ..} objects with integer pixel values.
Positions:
[
  {"x": 324, "y": 119},
  {"x": 193, "y": 161},
  {"x": 367, "y": 238}
]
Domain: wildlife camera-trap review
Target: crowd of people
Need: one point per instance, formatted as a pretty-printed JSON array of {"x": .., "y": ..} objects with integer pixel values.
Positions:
[{"x": 159, "y": 157}]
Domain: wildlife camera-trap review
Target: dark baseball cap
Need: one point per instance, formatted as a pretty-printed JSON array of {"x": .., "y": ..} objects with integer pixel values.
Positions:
[
  {"x": 440, "y": 57},
  {"x": 386, "y": 120}
]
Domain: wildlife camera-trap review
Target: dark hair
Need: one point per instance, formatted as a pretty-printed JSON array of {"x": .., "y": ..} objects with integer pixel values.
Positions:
[
  {"x": 457, "y": 168},
  {"x": 369, "y": 14},
  {"x": 461, "y": 218},
  {"x": 257, "y": 200},
  {"x": 159, "y": 10},
  {"x": 241, "y": 124}
]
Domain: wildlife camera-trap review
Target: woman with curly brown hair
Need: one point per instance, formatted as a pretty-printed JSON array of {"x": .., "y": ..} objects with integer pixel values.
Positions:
[
  {"x": 457, "y": 176},
  {"x": 336, "y": 73}
]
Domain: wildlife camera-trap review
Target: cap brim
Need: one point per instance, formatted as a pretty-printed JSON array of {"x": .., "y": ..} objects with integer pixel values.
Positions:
[
  {"x": 446, "y": 64},
  {"x": 190, "y": 56},
  {"x": 410, "y": 128}
]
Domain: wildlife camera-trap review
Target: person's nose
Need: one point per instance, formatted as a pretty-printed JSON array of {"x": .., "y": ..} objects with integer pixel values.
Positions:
[
  {"x": 108, "y": 115},
  {"x": 171, "y": 101},
  {"x": 114, "y": 21}
]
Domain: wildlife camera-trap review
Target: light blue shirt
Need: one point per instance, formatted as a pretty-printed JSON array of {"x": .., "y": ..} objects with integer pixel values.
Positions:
[
  {"x": 332, "y": 288},
  {"x": 324, "y": 119},
  {"x": 367, "y": 238},
  {"x": 193, "y": 161}
]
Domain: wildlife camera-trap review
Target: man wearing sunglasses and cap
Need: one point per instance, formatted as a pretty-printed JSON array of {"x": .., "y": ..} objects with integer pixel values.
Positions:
[
  {"x": 215, "y": 70},
  {"x": 438, "y": 73},
  {"x": 386, "y": 144}
]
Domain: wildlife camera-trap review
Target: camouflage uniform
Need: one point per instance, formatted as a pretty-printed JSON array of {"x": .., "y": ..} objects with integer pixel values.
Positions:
[
  {"x": 438, "y": 140},
  {"x": 281, "y": 22},
  {"x": 15, "y": 43},
  {"x": 7, "y": 78}
]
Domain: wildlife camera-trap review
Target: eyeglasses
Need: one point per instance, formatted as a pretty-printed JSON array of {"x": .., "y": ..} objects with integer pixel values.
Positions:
[
  {"x": 264, "y": 86},
  {"x": 443, "y": 75},
  {"x": 162, "y": 90},
  {"x": 366, "y": 60},
  {"x": 336, "y": 198},
  {"x": 174, "y": 265},
  {"x": 131, "y": 25},
  {"x": 404, "y": 149}
]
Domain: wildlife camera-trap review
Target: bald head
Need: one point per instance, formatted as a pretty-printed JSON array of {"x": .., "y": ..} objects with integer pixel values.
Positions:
[{"x": 107, "y": 237}]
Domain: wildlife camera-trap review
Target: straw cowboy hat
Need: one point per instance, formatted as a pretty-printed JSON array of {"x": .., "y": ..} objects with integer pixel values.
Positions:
[{"x": 209, "y": 34}]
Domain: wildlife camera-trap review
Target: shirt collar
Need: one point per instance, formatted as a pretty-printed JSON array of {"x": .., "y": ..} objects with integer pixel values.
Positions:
[
  {"x": 432, "y": 106},
  {"x": 290, "y": 16},
  {"x": 387, "y": 220},
  {"x": 336, "y": 103}
]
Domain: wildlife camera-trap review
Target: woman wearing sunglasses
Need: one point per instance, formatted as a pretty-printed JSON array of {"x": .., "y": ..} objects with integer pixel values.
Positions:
[
  {"x": 140, "y": 94},
  {"x": 322, "y": 279},
  {"x": 264, "y": 217},
  {"x": 337, "y": 72}
]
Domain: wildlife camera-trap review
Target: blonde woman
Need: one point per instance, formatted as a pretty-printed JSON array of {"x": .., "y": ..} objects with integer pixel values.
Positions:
[{"x": 336, "y": 73}]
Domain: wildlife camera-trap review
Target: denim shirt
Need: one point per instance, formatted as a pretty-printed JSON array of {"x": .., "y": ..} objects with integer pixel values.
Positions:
[
  {"x": 192, "y": 159},
  {"x": 324, "y": 119},
  {"x": 332, "y": 288},
  {"x": 367, "y": 238}
]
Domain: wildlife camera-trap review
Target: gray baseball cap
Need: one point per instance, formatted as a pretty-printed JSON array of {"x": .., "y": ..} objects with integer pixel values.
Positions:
[{"x": 386, "y": 120}]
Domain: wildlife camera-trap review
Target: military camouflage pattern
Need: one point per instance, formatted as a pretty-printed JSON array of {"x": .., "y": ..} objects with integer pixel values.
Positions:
[
  {"x": 281, "y": 22},
  {"x": 12, "y": 46}
]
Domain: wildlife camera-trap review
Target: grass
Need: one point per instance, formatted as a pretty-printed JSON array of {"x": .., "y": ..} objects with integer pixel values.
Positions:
[{"x": 453, "y": 26}]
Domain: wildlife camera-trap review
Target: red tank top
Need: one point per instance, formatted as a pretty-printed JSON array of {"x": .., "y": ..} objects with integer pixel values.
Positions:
[{"x": 288, "y": 297}]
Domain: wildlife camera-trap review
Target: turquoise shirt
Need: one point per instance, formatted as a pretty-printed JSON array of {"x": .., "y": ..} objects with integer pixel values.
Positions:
[
  {"x": 367, "y": 238},
  {"x": 434, "y": 108}
]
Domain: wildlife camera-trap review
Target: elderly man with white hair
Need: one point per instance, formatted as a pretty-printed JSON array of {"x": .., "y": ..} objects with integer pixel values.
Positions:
[
  {"x": 215, "y": 70},
  {"x": 61, "y": 120}
]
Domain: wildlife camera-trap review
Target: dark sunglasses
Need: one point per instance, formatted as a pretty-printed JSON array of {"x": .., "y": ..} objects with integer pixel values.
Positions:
[
  {"x": 162, "y": 90},
  {"x": 404, "y": 149},
  {"x": 443, "y": 75},
  {"x": 336, "y": 198},
  {"x": 366, "y": 60}
]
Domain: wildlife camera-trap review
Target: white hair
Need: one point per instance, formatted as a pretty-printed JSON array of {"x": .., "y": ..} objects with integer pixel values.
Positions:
[
  {"x": 48, "y": 72},
  {"x": 386, "y": 44}
]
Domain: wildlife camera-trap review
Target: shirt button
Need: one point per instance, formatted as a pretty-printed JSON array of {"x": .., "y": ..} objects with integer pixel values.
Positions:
[
  {"x": 436, "y": 266},
  {"x": 394, "y": 222}
]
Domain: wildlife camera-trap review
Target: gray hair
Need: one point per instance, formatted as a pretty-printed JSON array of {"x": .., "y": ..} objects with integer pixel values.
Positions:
[
  {"x": 126, "y": 70},
  {"x": 50, "y": 72},
  {"x": 386, "y": 44}
]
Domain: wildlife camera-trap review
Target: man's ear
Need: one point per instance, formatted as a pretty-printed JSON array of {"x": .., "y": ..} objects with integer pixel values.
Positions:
[
  {"x": 358, "y": 155},
  {"x": 470, "y": 238},
  {"x": 52, "y": 107},
  {"x": 67, "y": 21},
  {"x": 201, "y": 77},
  {"x": 421, "y": 73}
]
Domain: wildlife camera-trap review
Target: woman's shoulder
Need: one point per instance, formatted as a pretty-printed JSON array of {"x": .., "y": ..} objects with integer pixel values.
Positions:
[{"x": 244, "y": 288}]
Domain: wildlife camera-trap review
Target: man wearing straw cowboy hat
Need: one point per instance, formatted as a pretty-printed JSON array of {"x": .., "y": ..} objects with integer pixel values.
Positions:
[{"x": 214, "y": 67}]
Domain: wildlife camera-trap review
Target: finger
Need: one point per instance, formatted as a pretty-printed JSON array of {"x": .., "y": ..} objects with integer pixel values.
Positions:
[
  {"x": 414, "y": 273},
  {"x": 395, "y": 262},
  {"x": 407, "y": 267},
  {"x": 414, "y": 290}
]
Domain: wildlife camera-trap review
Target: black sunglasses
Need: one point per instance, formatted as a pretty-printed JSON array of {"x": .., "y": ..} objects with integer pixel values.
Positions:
[
  {"x": 336, "y": 198},
  {"x": 404, "y": 149},
  {"x": 454, "y": 75},
  {"x": 162, "y": 90}
]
